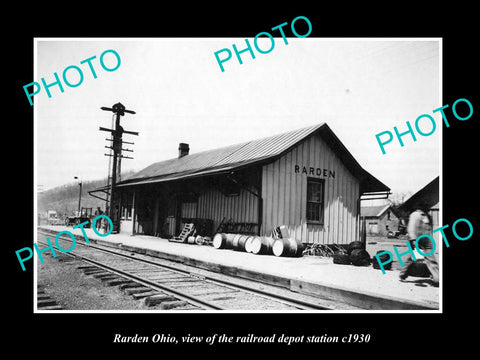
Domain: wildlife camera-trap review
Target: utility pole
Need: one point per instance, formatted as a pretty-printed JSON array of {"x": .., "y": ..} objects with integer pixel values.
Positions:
[
  {"x": 79, "y": 195},
  {"x": 117, "y": 133}
]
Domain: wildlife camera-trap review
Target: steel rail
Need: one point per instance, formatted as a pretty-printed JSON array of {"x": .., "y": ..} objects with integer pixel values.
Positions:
[
  {"x": 303, "y": 305},
  {"x": 149, "y": 283}
]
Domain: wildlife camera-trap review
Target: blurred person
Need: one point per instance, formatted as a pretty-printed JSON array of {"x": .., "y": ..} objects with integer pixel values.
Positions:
[
  {"x": 99, "y": 224},
  {"x": 420, "y": 223}
]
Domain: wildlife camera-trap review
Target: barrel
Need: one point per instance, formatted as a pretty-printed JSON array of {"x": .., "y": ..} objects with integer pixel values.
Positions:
[
  {"x": 191, "y": 240},
  {"x": 219, "y": 241},
  {"x": 262, "y": 245},
  {"x": 287, "y": 247},
  {"x": 223, "y": 241},
  {"x": 199, "y": 240},
  {"x": 299, "y": 247},
  {"x": 248, "y": 244},
  {"x": 207, "y": 240},
  {"x": 360, "y": 257},
  {"x": 229, "y": 240},
  {"x": 235, "y": 239},
  {"x": 239, "y": 242}
]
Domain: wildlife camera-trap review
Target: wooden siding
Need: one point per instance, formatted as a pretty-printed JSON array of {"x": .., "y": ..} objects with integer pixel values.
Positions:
[
  {"x": 284, "y": 194},
  {"x": 171, "y": 224},
  {"x": 211, "y": 204},
  {"x": 214, "y": 205},
  {"x": 189, "y": 210}
]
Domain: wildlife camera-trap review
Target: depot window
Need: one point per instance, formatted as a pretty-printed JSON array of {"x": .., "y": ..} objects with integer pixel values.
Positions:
[
  {"x": 126, "y": 208},
  {"x": 315, "y": 200}
]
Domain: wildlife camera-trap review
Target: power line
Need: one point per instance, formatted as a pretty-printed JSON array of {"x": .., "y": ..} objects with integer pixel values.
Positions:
[{"x": 116, "y": 158}]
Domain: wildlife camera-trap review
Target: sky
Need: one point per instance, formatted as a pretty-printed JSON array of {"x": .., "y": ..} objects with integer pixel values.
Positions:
[{"x": 359, "y": 87}]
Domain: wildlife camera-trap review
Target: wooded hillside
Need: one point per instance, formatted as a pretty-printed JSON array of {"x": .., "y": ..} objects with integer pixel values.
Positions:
[{"x": 64, "y": 199}]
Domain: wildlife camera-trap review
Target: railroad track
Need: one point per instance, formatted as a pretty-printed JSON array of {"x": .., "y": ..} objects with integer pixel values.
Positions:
[{"x": 159, "y": 282}]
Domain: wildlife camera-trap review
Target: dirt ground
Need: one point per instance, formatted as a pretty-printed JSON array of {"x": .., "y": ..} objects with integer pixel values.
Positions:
[
  {"x": 380, "y": 243},
  {"x": 74, "y": 290},
  {"x": 374, "y": 242}
]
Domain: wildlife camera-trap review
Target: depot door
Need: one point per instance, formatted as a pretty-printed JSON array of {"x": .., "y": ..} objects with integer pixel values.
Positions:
[{"x": 186, "y": 211}]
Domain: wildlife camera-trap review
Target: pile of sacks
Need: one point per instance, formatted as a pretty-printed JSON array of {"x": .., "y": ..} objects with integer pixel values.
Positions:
[{"x": 355, "y": 255}]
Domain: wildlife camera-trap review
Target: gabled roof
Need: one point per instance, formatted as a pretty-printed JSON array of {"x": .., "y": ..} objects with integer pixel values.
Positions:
[
  {"x": 234, "y": 157},
  {"x": 375, "y": 211},
  {"x": 427, "y": 197}
]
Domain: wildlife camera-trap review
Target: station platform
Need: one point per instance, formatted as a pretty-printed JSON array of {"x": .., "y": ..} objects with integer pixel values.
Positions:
[{"x": 363, "y": 287}]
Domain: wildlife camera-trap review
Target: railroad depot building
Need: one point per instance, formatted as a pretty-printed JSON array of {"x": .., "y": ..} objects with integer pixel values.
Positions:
[{"x": 305, "y": 180}]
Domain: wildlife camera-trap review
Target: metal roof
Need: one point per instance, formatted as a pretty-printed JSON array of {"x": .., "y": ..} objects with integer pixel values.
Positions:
[
  {"x": 374, "y": 211},
  {"x": 252, "y": 152},
  {"x": 426, "y": 197}
]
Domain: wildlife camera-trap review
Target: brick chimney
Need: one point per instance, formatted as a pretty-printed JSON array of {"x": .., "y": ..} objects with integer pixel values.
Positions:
[{"x": 183, "y": 150}]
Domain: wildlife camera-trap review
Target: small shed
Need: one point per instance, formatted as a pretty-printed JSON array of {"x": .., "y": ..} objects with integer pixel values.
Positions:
[{"x": 379, "y": 220}]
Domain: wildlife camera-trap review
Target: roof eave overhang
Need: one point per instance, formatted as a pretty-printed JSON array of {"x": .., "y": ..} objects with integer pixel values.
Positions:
[
  {"x": 369, "y": 185},
  {"x": 192, "y": 175}
]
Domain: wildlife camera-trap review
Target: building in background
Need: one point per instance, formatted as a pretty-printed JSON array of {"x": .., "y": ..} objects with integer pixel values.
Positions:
[
  {"x": 428, "y": 198},
  {"x": 380, "y": 220}
]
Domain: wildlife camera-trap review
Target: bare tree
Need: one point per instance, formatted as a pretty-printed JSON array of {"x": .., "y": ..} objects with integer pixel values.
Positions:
[{"x": 399, "y": 198}]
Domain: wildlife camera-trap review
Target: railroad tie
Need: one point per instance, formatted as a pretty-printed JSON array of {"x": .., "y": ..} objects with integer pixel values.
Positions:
[
  {"x": 130, "y": 284},
  {"x": 86, "y": 267},
  {"x": 52, "y": 307},
  {"x": 65, "y": 258},
  {"x": 188, "y": 307},
  {"x": 170, "y": 305},
  {"x": 158, "y": 299},
  {"x": 111, "y": 277},
  {"x": 115, "y": 282},
  {"x": 103, "y": 275},
  {"x": 143, "y": 295},
  {"x": 45, "y": 302},
  {"x": 223, "y": 298},
  {"x": 137, "y": 290},
  {"x": 94, "y": 271}
]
